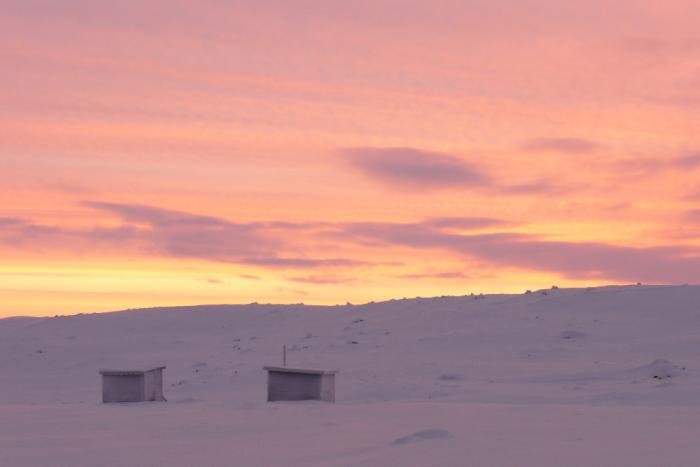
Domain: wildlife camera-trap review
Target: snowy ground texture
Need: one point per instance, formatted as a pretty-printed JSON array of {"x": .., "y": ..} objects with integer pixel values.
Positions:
[{"x": 607, "y": 376}]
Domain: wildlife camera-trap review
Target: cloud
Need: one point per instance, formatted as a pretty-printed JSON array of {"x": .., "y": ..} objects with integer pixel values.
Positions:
[
  {"x": 169, "y": 233},
  {"x": 694, "y": 215},
  {"x": 153, "y": 216},
  {"x": 536, "y": 187},
  {"x": 575, "y": 260},
  {"x": 410, "y": 168},
  {"x": 420, "y": 171},
  {"x": 325, "y": 279},
  {"x": 561, "y": 145},
  {"x": 441, "y": 275},
  {"x": 37, "y": 237},
  {"x": 692, "y": 196},
  {"x": 249, "y": 277},
  {"x": 638, "y": 166},
  {"x": 180, "y": 234},
  {"x": 11, "y": 221},
  {"x": 686, "y": 162},
  {"x": 650, "y": 166},
  {"x": 374, "y": 234},
  {"x": 282, "y": 262},
  {"x": 465, "y": 222}
]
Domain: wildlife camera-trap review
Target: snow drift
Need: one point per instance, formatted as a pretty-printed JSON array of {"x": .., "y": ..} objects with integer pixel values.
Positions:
[{"x": 418, "y": 380}]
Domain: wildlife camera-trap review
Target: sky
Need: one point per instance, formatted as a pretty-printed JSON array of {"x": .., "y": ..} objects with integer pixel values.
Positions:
[{"x": 160, "y": 152}]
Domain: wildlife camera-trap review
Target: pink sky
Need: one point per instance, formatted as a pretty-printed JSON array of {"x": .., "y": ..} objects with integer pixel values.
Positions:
[{"x": 187, "y": 152}]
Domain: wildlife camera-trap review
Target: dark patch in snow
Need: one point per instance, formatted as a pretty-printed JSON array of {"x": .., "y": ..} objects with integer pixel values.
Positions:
[
  {"x": 660, "y": 369},
  {"x": 185, "y": 400},
  {"x": 450, "y": 377},
  {"x": 429, "y": 434},
  {"x": 571, "y": 334}
]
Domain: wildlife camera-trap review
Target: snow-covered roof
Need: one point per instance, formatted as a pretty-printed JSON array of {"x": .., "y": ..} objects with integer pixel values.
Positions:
[
  {"x": 129, "y": 372},
  {"x": 284, "y": 369}
]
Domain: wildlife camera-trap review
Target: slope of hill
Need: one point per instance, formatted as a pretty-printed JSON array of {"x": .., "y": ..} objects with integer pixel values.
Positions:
[{"x": 531, "y": 379}]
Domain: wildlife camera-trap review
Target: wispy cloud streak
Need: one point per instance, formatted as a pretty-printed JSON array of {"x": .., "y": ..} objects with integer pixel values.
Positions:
[
  {"x": 575, "y": 260},
  {"x": 168, "y": 233},
  {"x": 561, "y": 145}
]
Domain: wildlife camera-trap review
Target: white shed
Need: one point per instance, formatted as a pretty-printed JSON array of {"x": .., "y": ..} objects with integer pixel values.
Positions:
[
  {"x": 295, "y": 384},
  {"x": 132, "y": 385}
]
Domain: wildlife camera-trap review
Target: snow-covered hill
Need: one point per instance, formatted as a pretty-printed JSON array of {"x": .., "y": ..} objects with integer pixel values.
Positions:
[{"x": 476, "y": 380}]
